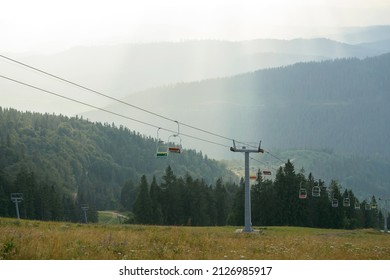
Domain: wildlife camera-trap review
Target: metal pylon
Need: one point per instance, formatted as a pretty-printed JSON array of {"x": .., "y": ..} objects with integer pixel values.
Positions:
[{"x": 248, "y": 218}]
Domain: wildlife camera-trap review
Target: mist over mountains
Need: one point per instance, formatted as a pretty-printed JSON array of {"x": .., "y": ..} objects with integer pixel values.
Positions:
[
  {"x": 327, "y": 95},
  {"x": 121, "y": 70}
]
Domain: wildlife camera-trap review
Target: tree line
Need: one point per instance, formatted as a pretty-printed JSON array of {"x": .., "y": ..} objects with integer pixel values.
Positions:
[
  {"x": 79, "y": 158},
  {"x": 185, "y": 201},
  {"x": 41, "y": 200},
  {"x": 60, "y": 163}
]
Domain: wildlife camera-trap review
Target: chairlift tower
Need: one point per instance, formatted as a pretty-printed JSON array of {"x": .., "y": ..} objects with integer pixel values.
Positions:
[
  {"x": 17, "y": 198},
  {"x": 385, "y": 214},
  {"x": 85, "y": 208},
  {"x": 248, "y": 219}
]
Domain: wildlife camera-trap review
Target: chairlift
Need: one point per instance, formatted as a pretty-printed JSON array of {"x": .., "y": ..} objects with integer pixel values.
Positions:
[
  {"x": 302, "y": 192},
  {"x": 346, "y": 201},
  {"x": 335, "y": 202},
  {"x": 373, "y": 205},
  {"x": 17, "y": 197},
  {"x": 175, "y": 142},
  {"x": 161, "y": 148},
  {"x": 329, "y": 192},
  {"x": 316, "y": 191},
  {"x": 357, "y": 205}
]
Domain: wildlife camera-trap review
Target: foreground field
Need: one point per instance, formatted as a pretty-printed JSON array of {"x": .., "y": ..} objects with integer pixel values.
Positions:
[{"x": 58, "y": 240}]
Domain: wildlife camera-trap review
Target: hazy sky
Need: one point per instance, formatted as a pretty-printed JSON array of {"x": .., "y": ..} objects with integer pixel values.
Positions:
[{"x": 49, "y": 25}]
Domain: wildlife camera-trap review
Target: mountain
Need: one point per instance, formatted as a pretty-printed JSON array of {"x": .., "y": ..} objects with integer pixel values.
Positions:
[
  {"x": 336, "y": 105},
  {"x": 339, "y": 104},
  {"x": 73, "y": 155},
  {"x": 361, "y": 34},
  {"x": 125, "y": 69}
]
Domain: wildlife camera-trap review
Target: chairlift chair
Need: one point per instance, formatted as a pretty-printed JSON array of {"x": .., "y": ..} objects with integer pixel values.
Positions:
[
  {"x": 161, "y": 148},
  {"x": 346, "y": 202},
  {"x": 367, "y": 206},
  {"x": 302, "y": 192},
  {"x": 357, "y": 205},
  {"x": 328, "y": 191},
  {"x": 335, "y": 202},
  {"x": 373, "y": 205},
  {"x": 175, "y": 142},
  {"x": 316, "y": 191}
]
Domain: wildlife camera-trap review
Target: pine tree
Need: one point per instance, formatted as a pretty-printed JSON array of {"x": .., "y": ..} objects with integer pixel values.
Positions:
[
  {"x": 221, "y": 202},
  {"x": 237, "y": 215},
  {"x": 143, "y": 204},
  {"x": 257, "y": 194},
  {"x": 287, "y": 185},
  {"x": 337, "y": 213},
  {"x": 155, "y": 196},
  {"x": 128, "y": 195}
]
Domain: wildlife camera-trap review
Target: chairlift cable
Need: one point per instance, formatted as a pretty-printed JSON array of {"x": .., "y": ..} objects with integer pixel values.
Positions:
[
  {"x": 130, "y": 105},
  {"x": 115, "y": 99},
  {"x": 108, "y": 111}
]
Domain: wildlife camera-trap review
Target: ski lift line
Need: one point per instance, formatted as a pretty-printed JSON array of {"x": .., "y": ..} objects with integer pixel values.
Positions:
[
  {"x": 115, "y": 99},
  {"x": 108, "y": 111},
  {"x": 275, "y": 157},
  {"x": 76, "y": 101},
  {"x": 259, "y": 161},
  {"x": 128, "y": 104}
]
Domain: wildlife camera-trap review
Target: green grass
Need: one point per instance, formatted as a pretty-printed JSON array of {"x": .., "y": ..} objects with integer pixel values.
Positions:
[
  {"x": 110, "y": 217},
  {"x": 26, "y": 239}
]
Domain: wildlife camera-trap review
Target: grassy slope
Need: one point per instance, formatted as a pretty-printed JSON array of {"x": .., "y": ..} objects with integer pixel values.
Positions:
[{"x": 58, "y": 240}]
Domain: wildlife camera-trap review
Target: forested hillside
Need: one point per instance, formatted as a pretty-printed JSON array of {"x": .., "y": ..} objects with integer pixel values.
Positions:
[
  {"x": 340, "y": 105},
  {"x": 53, "y": 159},
  {"x": 61, "y": 163}
]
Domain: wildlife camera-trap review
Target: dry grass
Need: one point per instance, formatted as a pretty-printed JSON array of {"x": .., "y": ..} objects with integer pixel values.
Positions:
[{"x": 50, "y": 240}]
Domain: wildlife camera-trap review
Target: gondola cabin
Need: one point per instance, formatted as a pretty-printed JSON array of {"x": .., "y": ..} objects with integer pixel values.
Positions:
[
  {"x": 335, "y": 202},
  {"x": 252, "y": 177},
  {"x": 266, "y": 172}
]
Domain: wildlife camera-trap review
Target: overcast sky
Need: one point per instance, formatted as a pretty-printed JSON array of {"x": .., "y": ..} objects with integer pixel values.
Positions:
[{"x": 49, "y": 25}]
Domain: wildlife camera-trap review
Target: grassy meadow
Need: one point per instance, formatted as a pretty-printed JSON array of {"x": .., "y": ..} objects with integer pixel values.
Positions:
[{"x": 26, "y": 239}]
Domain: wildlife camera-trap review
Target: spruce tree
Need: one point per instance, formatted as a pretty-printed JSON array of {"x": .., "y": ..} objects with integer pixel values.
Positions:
[
  {"x": 155, "y": 196},
  {"x": 143, "y": 204},
  {"x": 128, "y": 195},
  {"x": 221, "y": 202}
]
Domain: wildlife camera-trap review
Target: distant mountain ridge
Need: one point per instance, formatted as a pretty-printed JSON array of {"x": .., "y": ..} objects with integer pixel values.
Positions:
[
  {"x": 339, "y": 104},
  {"x": 129, "y": 68}
]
